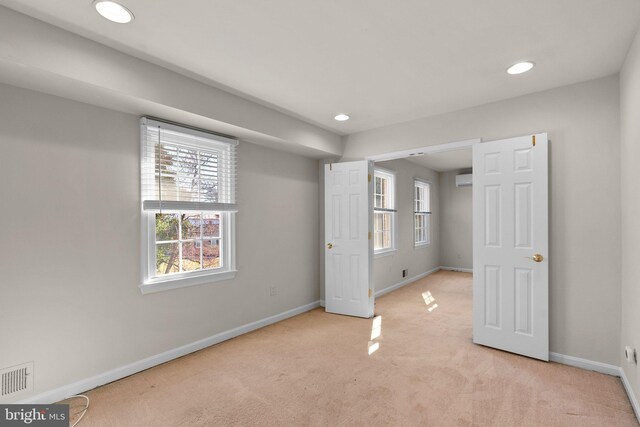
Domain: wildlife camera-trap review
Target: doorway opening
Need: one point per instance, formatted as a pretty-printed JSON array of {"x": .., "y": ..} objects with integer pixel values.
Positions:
[
  {"x": 507, "y": 234},
  {"x": 422, "y": 224},
  {"x": 422, "y": 213}
]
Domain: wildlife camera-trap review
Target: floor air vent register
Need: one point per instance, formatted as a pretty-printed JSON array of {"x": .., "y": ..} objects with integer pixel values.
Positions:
[{"x": 16, "y": 380}]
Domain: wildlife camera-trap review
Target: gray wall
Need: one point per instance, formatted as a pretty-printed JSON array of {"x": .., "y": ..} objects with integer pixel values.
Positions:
[
  {"x": 630, "y": 155},
  {"x": 70, "y": 253},
  {"x": 387, "y": 269},
  {"x": 456, "y": 223},
  {"x": 583, "y": 125}
]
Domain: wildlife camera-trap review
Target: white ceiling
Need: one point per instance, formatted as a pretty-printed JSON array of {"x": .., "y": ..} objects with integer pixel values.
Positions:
[{"x": 381, "y": 62}]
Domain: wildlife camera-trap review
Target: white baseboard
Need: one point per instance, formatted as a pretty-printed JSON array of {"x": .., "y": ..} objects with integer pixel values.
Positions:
[
  {"x": 629, "y": 390},
  {"x": 405, "y": 282},
  {"x": 590, "y": 365},
  {"x": 463, "y": 270},
  {"x": 603, "y": 368},
  {"x": 124, "y": 371},
  {"x": 398, "y": 285}
]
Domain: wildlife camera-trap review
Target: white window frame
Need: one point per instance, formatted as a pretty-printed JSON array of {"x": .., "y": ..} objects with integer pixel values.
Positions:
[
  {"x": 392, "y": 197},
  {"x": 420, "y": 182},
  {"x": 152, "y": 283}
]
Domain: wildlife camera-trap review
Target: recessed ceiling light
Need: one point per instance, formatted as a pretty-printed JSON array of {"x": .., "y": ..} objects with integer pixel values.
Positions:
[
  {"x": 342, "y": 117},
  {"x": 113, "y": 11},
  {"x": 520, "y": 67}
]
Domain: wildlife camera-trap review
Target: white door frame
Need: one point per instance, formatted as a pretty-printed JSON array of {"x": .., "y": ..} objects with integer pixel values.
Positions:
[{"x": 429, "y": 149}]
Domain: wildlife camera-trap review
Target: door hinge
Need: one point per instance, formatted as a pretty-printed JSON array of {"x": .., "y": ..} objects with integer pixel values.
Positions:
[
  {"x": 370, "y": 292},
  {"x": 369, "y": 178},
  {"x": 330, "y": 166},
  {"x": 369, "y": 235},
  {"x": 533, "y": 140}
]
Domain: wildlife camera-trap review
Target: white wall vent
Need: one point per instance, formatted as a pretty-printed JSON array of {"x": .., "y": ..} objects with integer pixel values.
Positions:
[
  {"x": 15, "y": 380},
  {"x": 465, "y": 180}
]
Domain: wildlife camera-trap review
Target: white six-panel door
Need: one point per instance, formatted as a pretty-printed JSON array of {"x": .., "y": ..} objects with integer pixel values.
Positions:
[
  {"x": 510, "y": 245},
  {"x": 348, "y": 248}
]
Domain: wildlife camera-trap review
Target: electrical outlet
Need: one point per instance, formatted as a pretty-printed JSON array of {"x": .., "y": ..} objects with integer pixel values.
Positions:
[
  {"x": 273, "y": 291},
  {"x": 631, "y": 355},
  {"x": 405, "y": 272}
]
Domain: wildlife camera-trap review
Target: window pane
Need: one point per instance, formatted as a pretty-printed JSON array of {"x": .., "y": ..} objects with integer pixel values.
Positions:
[
  {"x": 383, "y": 221},
  {"x": 211, "y": 254},
  {"x": 386, "y": 240},
  {"x": 425, "y": 198},
  {"x": 377, "y": 221},
  {"x": 383, "y": 191},
  {"x": 385, "y": 188},
  {"x": 190, "y": 226},
  {"x": 209, "y": 190},
  {"x": 166, "y": 227},
  {"x": 209, "y": 166},
  {"x": 382, "y": 227},
  {"x": 191, "y": 256},
  {"x": 386, "y": 227},
  {"x": 187, "y": 173},
  {"x": 422, "y": 228},
  {"x": 422, "y": 196},
  {"x": 211, "y": 225},
  {"x": 165, "y": 158},
  {"x": 378, "y": 224},
  {"x": 167, "y": 258},
  {"x": 377, "y": 240},
  {"x": 185, "y": 189}
]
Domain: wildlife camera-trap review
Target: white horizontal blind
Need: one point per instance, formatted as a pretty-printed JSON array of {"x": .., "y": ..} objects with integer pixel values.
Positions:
[{"x": 186, "y": 169}]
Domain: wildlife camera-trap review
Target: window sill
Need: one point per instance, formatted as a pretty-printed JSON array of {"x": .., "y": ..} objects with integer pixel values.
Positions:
[
  {"x": 386, "y": 252},
  {"x": 166, "y": 284},
  {"x": 421, "y": 245}
]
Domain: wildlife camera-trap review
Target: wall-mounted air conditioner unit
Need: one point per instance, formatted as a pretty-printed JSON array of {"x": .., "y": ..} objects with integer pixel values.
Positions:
[{"x": 464, "y": 180}]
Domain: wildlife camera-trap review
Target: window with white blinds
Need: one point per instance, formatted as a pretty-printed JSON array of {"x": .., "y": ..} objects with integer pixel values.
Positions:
[
  {"x": 184, "y": 168},
  {"x": 188, "y": 189},
  {"x": 422, "y": 212},
  {"x": 384, "y": 212}
]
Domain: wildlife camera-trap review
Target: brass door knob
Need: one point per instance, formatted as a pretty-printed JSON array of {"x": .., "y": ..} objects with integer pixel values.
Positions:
[
  {"x": 537, "y": 258},
  {"x": 329, "y": 245}
]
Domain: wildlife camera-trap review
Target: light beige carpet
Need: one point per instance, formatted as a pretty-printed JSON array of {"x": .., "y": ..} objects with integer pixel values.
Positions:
[{"x": 315, "y": 369}]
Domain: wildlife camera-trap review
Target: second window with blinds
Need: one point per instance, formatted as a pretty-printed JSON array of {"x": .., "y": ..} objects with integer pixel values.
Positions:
[
  {"x": 422, "y": 212},
  {"x": 384, "y": 212},
  {"x": 188, "y": 206}
]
